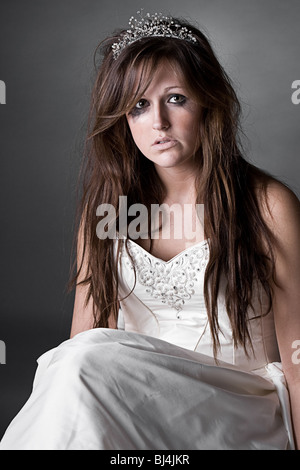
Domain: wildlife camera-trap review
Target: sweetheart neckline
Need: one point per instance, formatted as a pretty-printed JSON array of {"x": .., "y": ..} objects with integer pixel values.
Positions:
[{"x": 181, "y": 253}]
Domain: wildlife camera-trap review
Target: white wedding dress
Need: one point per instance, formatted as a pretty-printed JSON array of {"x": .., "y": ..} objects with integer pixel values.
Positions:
[{"x": 153, "y": 383}]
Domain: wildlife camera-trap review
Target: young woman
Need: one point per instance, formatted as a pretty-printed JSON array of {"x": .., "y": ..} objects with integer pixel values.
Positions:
[{"x": 185, "y": 328}]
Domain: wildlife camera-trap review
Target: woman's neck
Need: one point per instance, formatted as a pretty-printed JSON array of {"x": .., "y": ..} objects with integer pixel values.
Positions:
[{"x": 179, "y": 185}]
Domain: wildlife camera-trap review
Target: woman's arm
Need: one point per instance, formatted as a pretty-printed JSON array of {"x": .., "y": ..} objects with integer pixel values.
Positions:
[
  {"x": 284, "y": 221},
  {"x": 83, "y": 315}
]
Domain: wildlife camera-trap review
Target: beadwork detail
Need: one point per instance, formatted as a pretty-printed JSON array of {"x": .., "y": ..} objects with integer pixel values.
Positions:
[{"x": 170, "y": 282}]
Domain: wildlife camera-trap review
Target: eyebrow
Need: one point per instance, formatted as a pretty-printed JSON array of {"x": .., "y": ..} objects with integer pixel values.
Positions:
[{"x": 171, "y": 87}]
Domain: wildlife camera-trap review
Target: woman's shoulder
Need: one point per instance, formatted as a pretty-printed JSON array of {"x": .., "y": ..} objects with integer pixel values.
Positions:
[{"x": 279, "y": 204}]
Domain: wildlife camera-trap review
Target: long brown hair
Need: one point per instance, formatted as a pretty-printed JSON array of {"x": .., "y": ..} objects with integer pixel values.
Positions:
[{"x": 230, "y": 188}]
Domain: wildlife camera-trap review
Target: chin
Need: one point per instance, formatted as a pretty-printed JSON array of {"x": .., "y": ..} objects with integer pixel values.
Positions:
[{"x": 173, "y": 163}]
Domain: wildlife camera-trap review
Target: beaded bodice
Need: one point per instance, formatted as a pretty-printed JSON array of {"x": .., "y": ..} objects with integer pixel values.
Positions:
[
  {"x": 165, "y": 299},
  {"x": 171, "y": 282}
]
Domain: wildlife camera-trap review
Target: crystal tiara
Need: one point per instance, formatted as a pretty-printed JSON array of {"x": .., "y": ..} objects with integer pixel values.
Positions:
[{"x": 155, "y": 25}]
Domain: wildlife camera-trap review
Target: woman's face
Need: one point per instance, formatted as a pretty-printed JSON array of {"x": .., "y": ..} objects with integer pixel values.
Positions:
[{"x": 164, "y": 122}]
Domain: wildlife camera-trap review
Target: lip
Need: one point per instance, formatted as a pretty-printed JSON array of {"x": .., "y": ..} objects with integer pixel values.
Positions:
[{"x": 164, "y": 143}]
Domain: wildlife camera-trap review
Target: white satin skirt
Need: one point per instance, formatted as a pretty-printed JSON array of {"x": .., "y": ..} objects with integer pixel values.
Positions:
[{"x": 115, "y": 390}]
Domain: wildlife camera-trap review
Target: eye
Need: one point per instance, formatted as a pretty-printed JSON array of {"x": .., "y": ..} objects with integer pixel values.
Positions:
[
  {"x": 139, "y": 107},
  {"x": 177, "y": 99},
  {"x": 141, "y": 104}
]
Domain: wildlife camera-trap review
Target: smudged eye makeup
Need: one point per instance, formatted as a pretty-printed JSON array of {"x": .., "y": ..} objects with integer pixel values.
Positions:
[{"x": 143, "y": 104}]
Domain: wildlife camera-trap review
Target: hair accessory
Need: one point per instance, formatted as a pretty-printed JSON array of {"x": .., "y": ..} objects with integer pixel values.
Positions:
[{"x": 155, "y": 25}]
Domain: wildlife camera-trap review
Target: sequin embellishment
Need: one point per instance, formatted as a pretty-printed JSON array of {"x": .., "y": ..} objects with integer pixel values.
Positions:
[{"x": 172, "y": 282}]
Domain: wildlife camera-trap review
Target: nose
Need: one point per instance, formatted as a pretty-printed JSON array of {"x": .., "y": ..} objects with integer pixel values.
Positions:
[{"x": 160, "y": 118}]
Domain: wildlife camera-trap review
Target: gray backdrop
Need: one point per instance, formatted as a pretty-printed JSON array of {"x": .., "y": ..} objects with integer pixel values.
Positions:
[{"x": 46, "y": 52}]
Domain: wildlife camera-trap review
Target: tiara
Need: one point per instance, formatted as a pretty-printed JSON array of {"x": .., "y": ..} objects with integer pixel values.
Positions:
[{"x": 155, "y": 25}]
